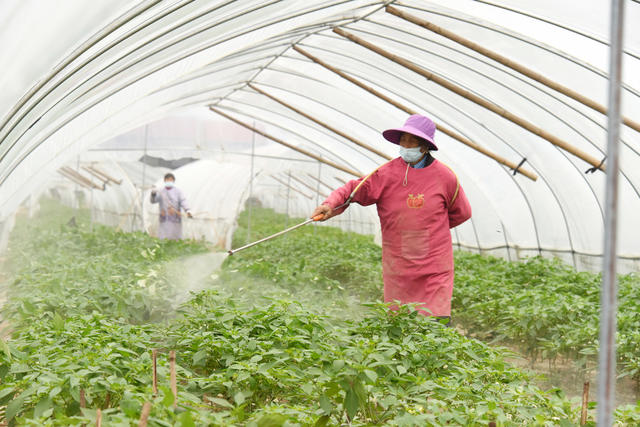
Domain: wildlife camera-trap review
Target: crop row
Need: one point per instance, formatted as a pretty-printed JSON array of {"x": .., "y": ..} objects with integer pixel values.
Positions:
[
  {"x": 545, "y": 307},
  {"x": 87, "y": 307}
]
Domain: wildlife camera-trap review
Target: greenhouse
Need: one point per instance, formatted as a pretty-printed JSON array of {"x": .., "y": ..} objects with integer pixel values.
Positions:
[{"x": 209, "y": 212}]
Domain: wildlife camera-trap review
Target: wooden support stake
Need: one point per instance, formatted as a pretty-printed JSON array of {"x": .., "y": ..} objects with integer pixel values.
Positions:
[
  {"x": 154, "y": 362},
  {"x": 174, "y": 384},
  {"x": 321, "y": 123},
  {"x": 596, "y": 163},
  {"x": 453, "y": 134},
  {"x": 99, "y": 418},
  {"x": 286, "y": 144},
  {"x": 585, "y": 403},
  {"x": 508, "y": 63},
  {"x": 83, "y": 400},
  {"x": 107, "y": 401},
  {"x": 144, "y": 414}
]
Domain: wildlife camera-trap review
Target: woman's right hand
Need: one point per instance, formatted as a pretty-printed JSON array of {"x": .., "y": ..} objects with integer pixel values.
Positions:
[{"x": 324, "y": 210}]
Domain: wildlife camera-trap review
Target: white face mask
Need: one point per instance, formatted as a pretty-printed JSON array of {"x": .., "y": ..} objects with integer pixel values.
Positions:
[
  {"x": 168, "y": 184},
  {"x": 411, "y": 155}
]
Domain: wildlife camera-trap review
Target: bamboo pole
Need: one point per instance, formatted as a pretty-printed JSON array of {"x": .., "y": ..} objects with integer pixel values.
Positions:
[
  {"x": 72, "y": 179},
  {"x": 105, "y": 175},
  {"x": 342, "y": 180},
  {"x": 144, "y": 414},
  {"x": 286, "y": 144},
  {"x": 96, "y": 175},
  {"x": 174, "y": 384},
  {"x": 508, "y": 63},
  {"x": 82, "y": 178},
  {"x": 327, "y": 186},
  {"x": 585, "y": 403},
  {"x": 466, "y": 141},
  {"x": 83, "y": 399},
  {"x": 321, "y": 123},
  {"x": 154, "y": 363},
  {"x": 291, "y": 187},
  {"x": 596, "y": 163},
  {"x": 315, "y": 190},
  {"x": 99, "y": 418}
]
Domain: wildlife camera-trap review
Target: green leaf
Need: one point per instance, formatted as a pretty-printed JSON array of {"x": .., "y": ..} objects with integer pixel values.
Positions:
[
  {"x": 167, "y": 399},
  {"x": 55, "y": 391},
  {"x": 14, "y": 407},
  {"x": 272, "y": 420},
  {"x": 58, "y": 322},
  {"x": 351, "y": 403},
  {"x": 372, "y": 375},
  {"x": 238, "y": 398},
  {"x": 130, "y": 407},
  {"x": 186, "y": 420},
  {"x": 5, "y": 349},
  {"x": 7, "y": 391},
  {"x": 42, "y": 406},
  {"x": 325, "y": 404},
  {"x": 220, "y": 402},
  {"x": 200, "y": 356},
  {"x": 307, "y": 388},
  {"x": 322, "y": 421}
]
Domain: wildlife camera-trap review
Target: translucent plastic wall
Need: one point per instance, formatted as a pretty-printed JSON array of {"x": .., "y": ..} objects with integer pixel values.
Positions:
[{"x": 119, "y": 65}]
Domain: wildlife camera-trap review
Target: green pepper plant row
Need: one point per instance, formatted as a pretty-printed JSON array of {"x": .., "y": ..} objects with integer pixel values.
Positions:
[
  {"x": 86, "y": 307},
  {"x": 544, "y": 306}
]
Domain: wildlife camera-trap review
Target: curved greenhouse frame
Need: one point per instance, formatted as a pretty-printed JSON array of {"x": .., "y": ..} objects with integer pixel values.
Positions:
[{"x": 277, "y": 103}]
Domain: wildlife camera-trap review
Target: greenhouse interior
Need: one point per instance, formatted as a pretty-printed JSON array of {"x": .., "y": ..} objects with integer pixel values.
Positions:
[{"x": 235, "y": 213}]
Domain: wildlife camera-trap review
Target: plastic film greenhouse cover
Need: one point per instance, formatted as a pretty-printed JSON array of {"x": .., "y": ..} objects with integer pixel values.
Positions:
[{"x": 103, "y": 86}]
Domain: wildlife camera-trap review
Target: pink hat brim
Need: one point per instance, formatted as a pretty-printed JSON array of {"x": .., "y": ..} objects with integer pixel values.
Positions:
[{"x": 393, "y": 135}]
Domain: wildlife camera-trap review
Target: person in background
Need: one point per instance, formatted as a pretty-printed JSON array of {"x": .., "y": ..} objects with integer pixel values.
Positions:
[
  {"x": 418, "y": 200},
  {"x": 172, "y": 202}
]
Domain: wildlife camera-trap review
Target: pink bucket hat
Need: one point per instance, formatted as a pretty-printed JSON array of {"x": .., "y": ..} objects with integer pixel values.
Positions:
[{"x": 420, "y": 126}]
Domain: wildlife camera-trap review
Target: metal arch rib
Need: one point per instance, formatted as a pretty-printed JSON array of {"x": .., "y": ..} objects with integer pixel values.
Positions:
[
  {"x": 530, "y": 100},
  {"x": 74, "y": 55},
  {"x": 517, "y": 76},
  {"x": 66, "y": 95},
  {"x": 533, "y": 219},
  {"x": 511, "y": 34},
  {"x": 164, "y": 65},
  {"x": 159, "y": 67},
  {"x": 334, "y": 158},
  {"x": 301, "y": 122},
  {"x": 557, "y": 24},
  {"x": 95, "y": 38},
  {"x": 498, "y": 137}
]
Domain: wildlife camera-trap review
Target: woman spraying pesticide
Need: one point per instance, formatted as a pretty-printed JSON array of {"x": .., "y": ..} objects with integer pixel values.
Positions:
[{"x": 418, "y": 200}]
